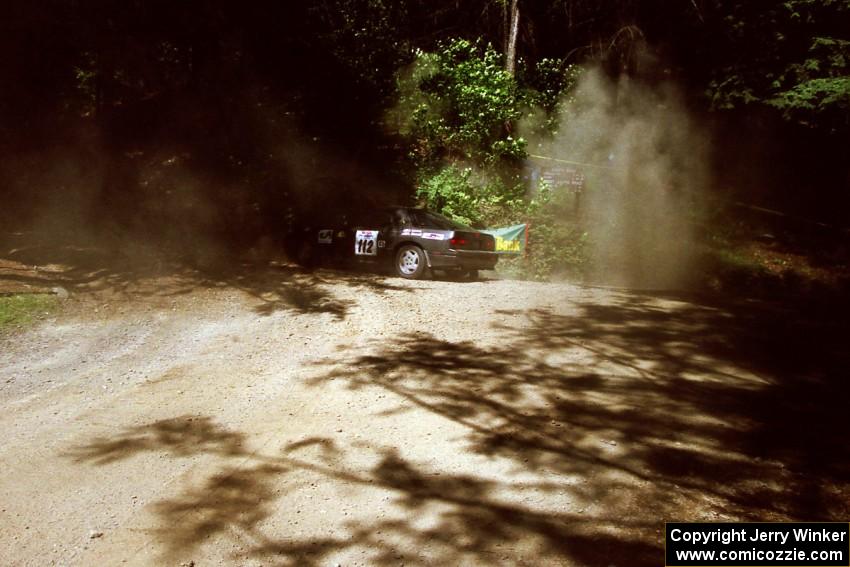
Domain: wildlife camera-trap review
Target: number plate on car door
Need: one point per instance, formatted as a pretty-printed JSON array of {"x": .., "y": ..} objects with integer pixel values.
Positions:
[{"x": 366, "y": 243}]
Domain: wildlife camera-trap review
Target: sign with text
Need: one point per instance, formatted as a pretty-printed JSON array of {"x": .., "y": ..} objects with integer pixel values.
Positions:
[
  {"x": 822, "y": 544},
  {"x": 509, "y": 240}
]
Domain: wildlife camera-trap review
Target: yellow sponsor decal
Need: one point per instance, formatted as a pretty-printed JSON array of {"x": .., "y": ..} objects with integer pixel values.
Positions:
[{"x": 503, "y": 245}]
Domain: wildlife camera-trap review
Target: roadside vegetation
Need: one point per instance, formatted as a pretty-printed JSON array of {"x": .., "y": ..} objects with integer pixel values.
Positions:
[
  {"x": 759, "y": 253},
  {"x": 225, "y": 126},
  {"x": 20, "y": 310},
  {"x": 471, "y": 119},
  {"x": 460, "y": 111}
]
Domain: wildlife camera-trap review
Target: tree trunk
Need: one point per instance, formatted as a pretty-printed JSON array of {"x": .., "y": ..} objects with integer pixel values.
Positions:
[{"x": 513, "y": 30}]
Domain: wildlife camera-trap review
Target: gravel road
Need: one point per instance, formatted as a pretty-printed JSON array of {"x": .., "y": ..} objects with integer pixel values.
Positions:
[{"x": 288, "y": 418}]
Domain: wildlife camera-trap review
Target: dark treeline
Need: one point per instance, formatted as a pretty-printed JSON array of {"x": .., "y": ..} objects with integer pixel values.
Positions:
[{"x": 259, "y": 102}]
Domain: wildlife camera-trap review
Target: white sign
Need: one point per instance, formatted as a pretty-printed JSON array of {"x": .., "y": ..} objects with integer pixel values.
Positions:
[{"x": 366, "y": 243}]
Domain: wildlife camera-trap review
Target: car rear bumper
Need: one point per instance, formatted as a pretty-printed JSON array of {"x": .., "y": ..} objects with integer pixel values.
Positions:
[{"x": 467, "y": 260}]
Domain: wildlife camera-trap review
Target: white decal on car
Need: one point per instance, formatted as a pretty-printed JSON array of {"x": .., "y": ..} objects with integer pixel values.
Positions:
[
  {"x": 433, "y": 236},
  {"x": 326, "y": 236},
  {"x": 365, "y": 243}
]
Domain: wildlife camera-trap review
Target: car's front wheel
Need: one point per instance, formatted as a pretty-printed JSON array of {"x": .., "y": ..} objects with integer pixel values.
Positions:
[{"x": 410, "y": 262}]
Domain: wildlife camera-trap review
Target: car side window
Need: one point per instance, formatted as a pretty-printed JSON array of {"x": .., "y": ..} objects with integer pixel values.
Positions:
[{"x": 399, "y": 219}]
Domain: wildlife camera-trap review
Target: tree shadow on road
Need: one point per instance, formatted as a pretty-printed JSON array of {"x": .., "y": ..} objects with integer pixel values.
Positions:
[
  {"x": 731, "y": 405},
  {"x": 612, "y": 416},
  {"x": 178, "y": 437},
  {"x": 669, "y": 410},
  {"x": 468, "y": 519}
]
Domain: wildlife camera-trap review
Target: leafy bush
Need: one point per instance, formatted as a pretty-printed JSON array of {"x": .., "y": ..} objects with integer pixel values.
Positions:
[
  {"x": 472, "y": 197},
  {"x": 557, "y": 241},
  {"x": 455, "y": 105},
  {"x": 800, "y": 62},
  {"x": 457, "y": 108},
  {"x": 548, "y": 94}
]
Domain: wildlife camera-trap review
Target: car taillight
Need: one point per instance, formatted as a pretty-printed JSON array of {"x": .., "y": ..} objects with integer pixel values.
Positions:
[{"x": 458, "y": 242}]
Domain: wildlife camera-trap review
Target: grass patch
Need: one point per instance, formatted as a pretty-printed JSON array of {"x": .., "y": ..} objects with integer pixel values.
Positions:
[{"x": 21, "y": 309}]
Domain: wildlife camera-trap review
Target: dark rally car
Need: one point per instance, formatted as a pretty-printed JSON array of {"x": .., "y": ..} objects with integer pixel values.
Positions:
[{"x": 413, "y": 240}]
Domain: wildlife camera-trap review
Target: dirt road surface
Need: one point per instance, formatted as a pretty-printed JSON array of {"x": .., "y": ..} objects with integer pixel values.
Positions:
[{"x": 333, "y": 418}]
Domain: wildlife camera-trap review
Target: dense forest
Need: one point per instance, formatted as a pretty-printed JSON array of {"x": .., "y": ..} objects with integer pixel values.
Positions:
[{"x": 233, "y": 119}]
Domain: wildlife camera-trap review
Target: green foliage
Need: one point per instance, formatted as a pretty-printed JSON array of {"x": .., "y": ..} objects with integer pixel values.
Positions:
[
  {"x": 558, "y": 243},
  {"x": 549, "y": 81},
  {"x": 816, "y": 96},
  {"x": 472, "y": 198},
  {"x": 817, "y": 86},
  {"x": 451, "y": 192},
  {"x": 455, "y": 105},
  {"x": 793, "y": 56},
  {"x": 548, "y": 89}
]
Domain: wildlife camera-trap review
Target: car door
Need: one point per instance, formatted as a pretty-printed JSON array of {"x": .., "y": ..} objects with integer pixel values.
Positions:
[{"x": 392, "y": 222}]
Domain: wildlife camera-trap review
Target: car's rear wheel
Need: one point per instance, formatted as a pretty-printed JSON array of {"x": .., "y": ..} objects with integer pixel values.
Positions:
[{"x": 410, "y": 262}]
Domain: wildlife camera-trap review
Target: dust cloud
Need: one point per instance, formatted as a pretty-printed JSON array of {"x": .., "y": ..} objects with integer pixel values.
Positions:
[
  {"x": 120, "y": 194},
  {"x": 81, "y": 204},
  {"x": 646, "y": 165}
]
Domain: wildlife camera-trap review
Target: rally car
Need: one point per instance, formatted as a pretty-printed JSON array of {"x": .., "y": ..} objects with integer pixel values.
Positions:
[{"x": 413, "y": 241}]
